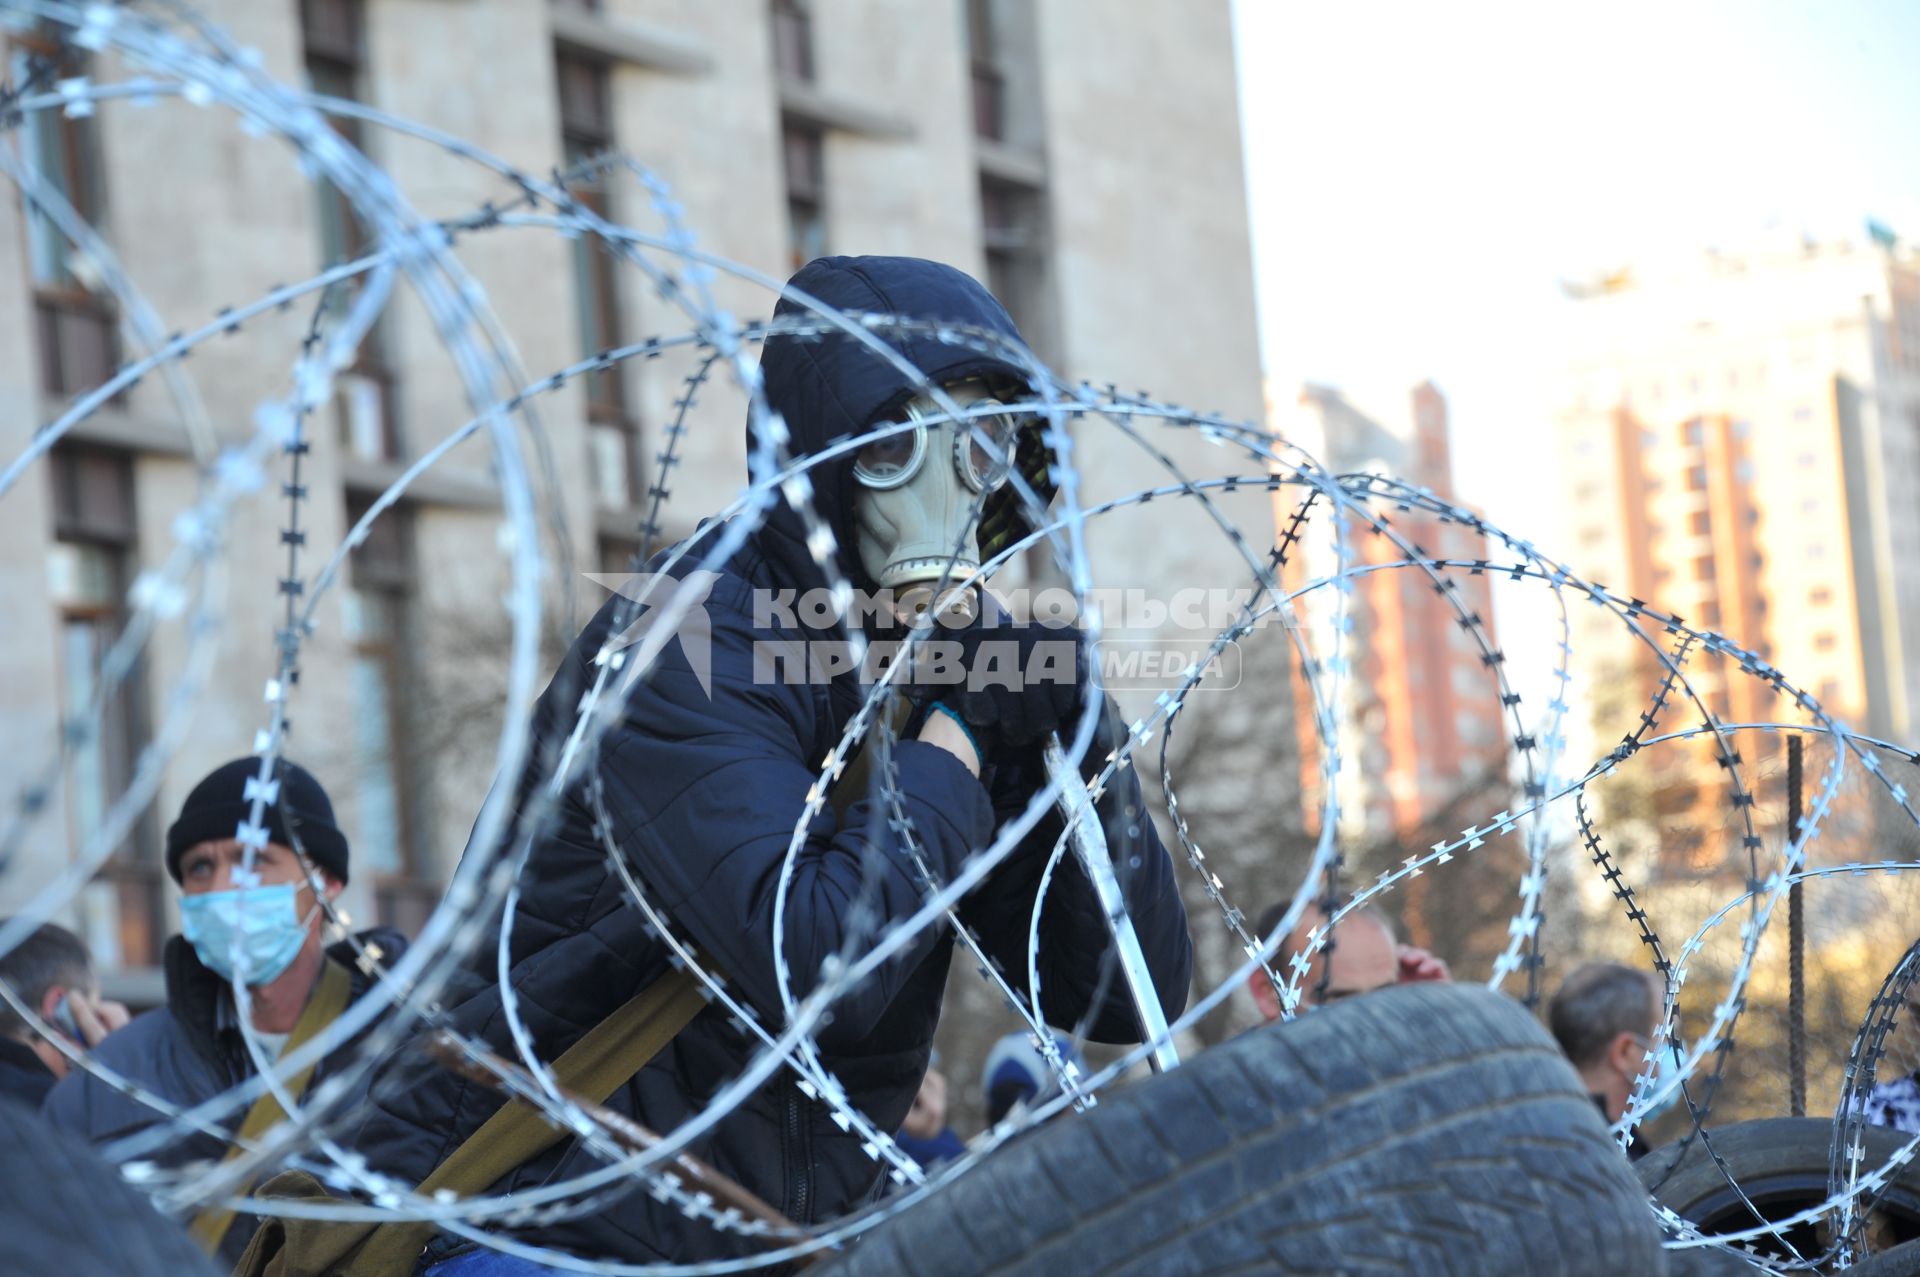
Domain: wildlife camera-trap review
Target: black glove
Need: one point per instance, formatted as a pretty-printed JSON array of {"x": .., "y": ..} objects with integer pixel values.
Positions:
[{"x": 1011, "y": 682}]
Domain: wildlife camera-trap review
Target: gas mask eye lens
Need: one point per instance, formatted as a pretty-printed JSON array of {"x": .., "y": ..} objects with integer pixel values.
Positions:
[
  {"x": 984, "y": 451},
  {"x": 891, "y": 461}
]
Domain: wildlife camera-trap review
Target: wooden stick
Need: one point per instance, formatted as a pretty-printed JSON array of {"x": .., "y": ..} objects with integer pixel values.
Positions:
[{"x": 504, "y": 1075}]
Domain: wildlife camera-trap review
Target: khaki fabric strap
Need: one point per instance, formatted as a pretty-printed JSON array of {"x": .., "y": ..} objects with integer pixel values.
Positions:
[
  {"x": 593, "y": 1068},
  {"x": 856, "y": 778},
  {"x": 329, "y": 998}
]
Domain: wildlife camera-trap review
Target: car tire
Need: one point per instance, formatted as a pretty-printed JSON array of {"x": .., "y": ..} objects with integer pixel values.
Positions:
[{"x": 1431, "y": 1129}]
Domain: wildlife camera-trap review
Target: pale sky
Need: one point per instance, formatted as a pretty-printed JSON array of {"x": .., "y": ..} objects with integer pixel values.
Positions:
[{"x": 1421, "y": 174}]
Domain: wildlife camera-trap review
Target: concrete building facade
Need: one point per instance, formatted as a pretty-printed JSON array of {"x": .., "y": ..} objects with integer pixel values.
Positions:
[
  {"x": 1420, "y": 716},
  {"x": 1013, "y": 138}
]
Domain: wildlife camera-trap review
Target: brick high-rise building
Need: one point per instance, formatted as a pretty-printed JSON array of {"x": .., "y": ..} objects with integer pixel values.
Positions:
[
  {"x": 1740, "y": 436},
  {"x": 1420, "y": 717}
]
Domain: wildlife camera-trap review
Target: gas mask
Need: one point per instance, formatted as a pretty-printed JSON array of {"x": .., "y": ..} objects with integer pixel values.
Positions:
[{"x": 917, "y": 494}]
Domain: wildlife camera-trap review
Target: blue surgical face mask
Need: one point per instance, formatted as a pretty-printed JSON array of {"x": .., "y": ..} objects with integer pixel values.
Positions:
[{"x": 265, "y": 921}]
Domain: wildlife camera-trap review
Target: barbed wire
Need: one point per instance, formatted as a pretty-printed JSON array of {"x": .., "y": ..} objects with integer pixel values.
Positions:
[{"x": 169, "y": 53}]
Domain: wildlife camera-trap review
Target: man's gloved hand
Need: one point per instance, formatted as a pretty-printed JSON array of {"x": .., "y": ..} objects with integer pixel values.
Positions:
[{"x": 1012, "y": 682}]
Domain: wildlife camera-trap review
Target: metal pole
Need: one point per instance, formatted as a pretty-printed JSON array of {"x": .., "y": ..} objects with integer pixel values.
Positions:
[
  {"x": 1796, "y": 953},
  {"x": 1090, "y": 845}
]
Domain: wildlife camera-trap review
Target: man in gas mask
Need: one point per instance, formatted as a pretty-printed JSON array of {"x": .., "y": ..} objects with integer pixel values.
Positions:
[
  {"x": 271, "y": 936},
  {"x": 707, "y": 774}
]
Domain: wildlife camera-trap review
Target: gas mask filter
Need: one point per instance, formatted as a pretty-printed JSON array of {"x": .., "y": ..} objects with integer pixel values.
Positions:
[{"x": 918, "y": 488}]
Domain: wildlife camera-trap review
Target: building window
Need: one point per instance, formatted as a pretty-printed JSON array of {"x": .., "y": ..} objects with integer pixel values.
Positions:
[
  {"x": 89, "y": 566},
  {"x": 1703, "y": 568},
  {"x": 1830, "y": 692},
  {"x": 1702, "y": 523},
  {"x": 989, "y": 81},
  {"x": 1824, "y": 642},
  {"x": 1710, "y": 615},
  {"x": 386, "y": 775},
  {"x": 1693, "y": 434},
  {"x": 793, "y": 39},
  {"x": 586, "y": 124},
  {"x": 333, "y": 39},
  {"x": 1802, "y": 413},
  {"x": 1013, "y": 233},
  {"x": 76, "y": 323},
  {"x": 1696, "y": 479},
  {"x": 1820, "y": 596},
  {"x": 616, "y": 554},
  {"x": 804, "y": 165}
]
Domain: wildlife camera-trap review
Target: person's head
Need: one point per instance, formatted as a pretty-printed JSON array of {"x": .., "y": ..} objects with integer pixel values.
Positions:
[
  {"x": 1017, "y": 1072},
  {"x": 1603, "y": 1016},
  {"x": 43, "y": 970},
  {"x": 277, "y": 918},
  {"x": 1362, "y": 956},
  {"x": 928, "y": 1116},
  {"x": 900, "y": 507}
]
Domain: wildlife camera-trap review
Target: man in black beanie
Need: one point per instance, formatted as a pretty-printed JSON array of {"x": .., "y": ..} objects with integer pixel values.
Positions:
[{"x": 263, "y": 927}]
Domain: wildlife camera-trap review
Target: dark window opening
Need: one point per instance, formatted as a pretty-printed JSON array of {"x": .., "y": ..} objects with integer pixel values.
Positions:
[
  {"x": 387, "y": 771},
  {"x": 793, "y": 39},
  {"x": 803, "y": 163},
  {"x": 90, "y": 565},
  {"x": 1013, "y": 234},
  {"x": 586, "y": 122},
  {"x": 75, "y": 320},
  {"x": 989, "y": 81},
  {"x": 333, "y": 36}
]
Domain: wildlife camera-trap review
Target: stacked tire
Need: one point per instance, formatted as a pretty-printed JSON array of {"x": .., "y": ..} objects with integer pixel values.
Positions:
[{"x": 1430, "y": 1129}]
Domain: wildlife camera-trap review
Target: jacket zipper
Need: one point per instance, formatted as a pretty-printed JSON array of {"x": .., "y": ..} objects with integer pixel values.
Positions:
[{"x": 799, "y": 1150}]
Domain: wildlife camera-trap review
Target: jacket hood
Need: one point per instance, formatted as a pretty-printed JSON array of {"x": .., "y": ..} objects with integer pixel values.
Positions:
[{"x": 831, "y": 386}]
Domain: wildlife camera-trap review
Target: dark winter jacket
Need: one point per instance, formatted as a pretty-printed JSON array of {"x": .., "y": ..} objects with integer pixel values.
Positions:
[
  {"x": 65, "y": 1211},
  {"x": 187, "y": 1052},
  {"x": 704, "y": 792},
  {"x": 24, "y": 1076}
]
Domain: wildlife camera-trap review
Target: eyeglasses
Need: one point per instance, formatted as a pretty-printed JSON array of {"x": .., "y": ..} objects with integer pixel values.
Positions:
[{"x": 983, "y": 447}]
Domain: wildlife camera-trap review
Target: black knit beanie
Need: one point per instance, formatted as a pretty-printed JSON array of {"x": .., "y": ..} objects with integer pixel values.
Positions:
[{"x": 219, "y": 805}]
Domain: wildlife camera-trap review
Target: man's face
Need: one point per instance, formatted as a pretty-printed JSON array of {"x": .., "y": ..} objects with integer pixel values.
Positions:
[
  {"x": 929, "y": 1112},
  {"x": 1362, "y": 958},
  {"x": 211, "y": 866}
]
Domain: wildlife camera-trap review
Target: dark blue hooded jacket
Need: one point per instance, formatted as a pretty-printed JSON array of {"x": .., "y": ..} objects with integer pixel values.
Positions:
[{"x": 704, "y": 790}]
